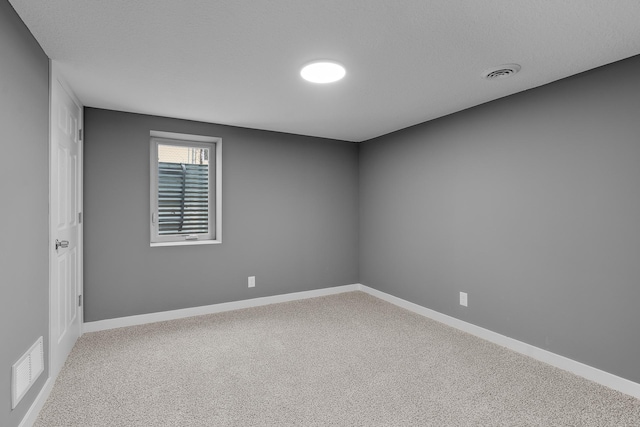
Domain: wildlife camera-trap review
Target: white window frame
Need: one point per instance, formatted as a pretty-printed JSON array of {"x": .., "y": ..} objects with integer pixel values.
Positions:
[{"x": 215, "y": 230}]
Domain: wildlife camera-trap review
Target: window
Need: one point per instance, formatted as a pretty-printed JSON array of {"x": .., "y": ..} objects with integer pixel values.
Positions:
[{"x": 186, "y": 189}]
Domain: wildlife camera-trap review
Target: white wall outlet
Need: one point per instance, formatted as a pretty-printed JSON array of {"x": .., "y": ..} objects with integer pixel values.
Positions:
[
  {"x": 252, "y": 281},
  {"x": 463, "y": 298}
]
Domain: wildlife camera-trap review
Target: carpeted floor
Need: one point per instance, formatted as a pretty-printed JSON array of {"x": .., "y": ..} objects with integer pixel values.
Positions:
[{"x": 342, "y": 360}]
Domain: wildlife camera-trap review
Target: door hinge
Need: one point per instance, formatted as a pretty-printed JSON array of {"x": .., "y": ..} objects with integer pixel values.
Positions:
[
  {"x": 79, "y": 134},
  {"x": 79, "y": 217},
  {"x": 79, "y": 300}
]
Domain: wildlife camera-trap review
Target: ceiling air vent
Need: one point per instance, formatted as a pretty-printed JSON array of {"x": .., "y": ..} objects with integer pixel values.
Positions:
[{"x": 501, "y": 72}]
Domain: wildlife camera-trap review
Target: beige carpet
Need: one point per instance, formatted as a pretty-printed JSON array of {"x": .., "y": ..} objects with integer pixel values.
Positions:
[{"x": 342, "y": 360}]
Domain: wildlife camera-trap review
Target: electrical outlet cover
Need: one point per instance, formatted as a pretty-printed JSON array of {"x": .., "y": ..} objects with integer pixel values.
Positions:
[{"x": 463, "y": 299}]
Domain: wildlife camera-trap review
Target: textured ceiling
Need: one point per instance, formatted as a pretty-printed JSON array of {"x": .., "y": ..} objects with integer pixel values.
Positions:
[{"x": 237, "y": 62}]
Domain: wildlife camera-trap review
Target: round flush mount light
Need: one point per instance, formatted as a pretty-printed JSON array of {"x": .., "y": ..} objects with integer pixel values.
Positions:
[
  {"x": 501, "y": 72},
  {"x": 323, "y": 72}
]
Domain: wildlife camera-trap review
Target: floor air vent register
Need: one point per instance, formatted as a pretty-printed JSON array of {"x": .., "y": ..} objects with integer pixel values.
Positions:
[{"x": 26, "y": 371}]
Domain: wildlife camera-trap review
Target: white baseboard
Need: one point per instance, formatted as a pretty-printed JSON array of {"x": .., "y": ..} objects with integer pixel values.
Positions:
[
  {"x": 596, "y": 375},
  {"x": 32, "y": 414},
  {"x": 141, "y": 319},
  {"x": 601, "y": 377}
]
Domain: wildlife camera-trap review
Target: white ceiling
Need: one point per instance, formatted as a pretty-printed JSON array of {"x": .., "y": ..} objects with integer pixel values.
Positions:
[{"x": 237, "y": 62}]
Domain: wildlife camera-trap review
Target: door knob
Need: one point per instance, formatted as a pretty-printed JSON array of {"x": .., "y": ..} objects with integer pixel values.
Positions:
[{"x": 62, "y": 244}]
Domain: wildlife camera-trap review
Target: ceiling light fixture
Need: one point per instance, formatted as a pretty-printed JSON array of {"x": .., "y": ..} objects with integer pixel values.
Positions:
[{"x": 323, "y": 72}]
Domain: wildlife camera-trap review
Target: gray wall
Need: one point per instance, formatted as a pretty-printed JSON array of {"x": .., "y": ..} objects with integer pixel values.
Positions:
[
  {"x": 531, "y": 204},
  {"x": 24, "y": 188},
  {"x": 289, "y": 218}
]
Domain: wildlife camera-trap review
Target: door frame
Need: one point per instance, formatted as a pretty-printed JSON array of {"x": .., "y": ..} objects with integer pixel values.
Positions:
[{"x": 56, "y": 75}]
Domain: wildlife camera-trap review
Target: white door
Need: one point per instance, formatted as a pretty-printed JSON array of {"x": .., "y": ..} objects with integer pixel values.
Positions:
[{"x": 65, "y": 228}]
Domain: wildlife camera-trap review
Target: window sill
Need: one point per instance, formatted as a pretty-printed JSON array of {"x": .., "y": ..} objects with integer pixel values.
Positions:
[{"x": 186, "y": 243}]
